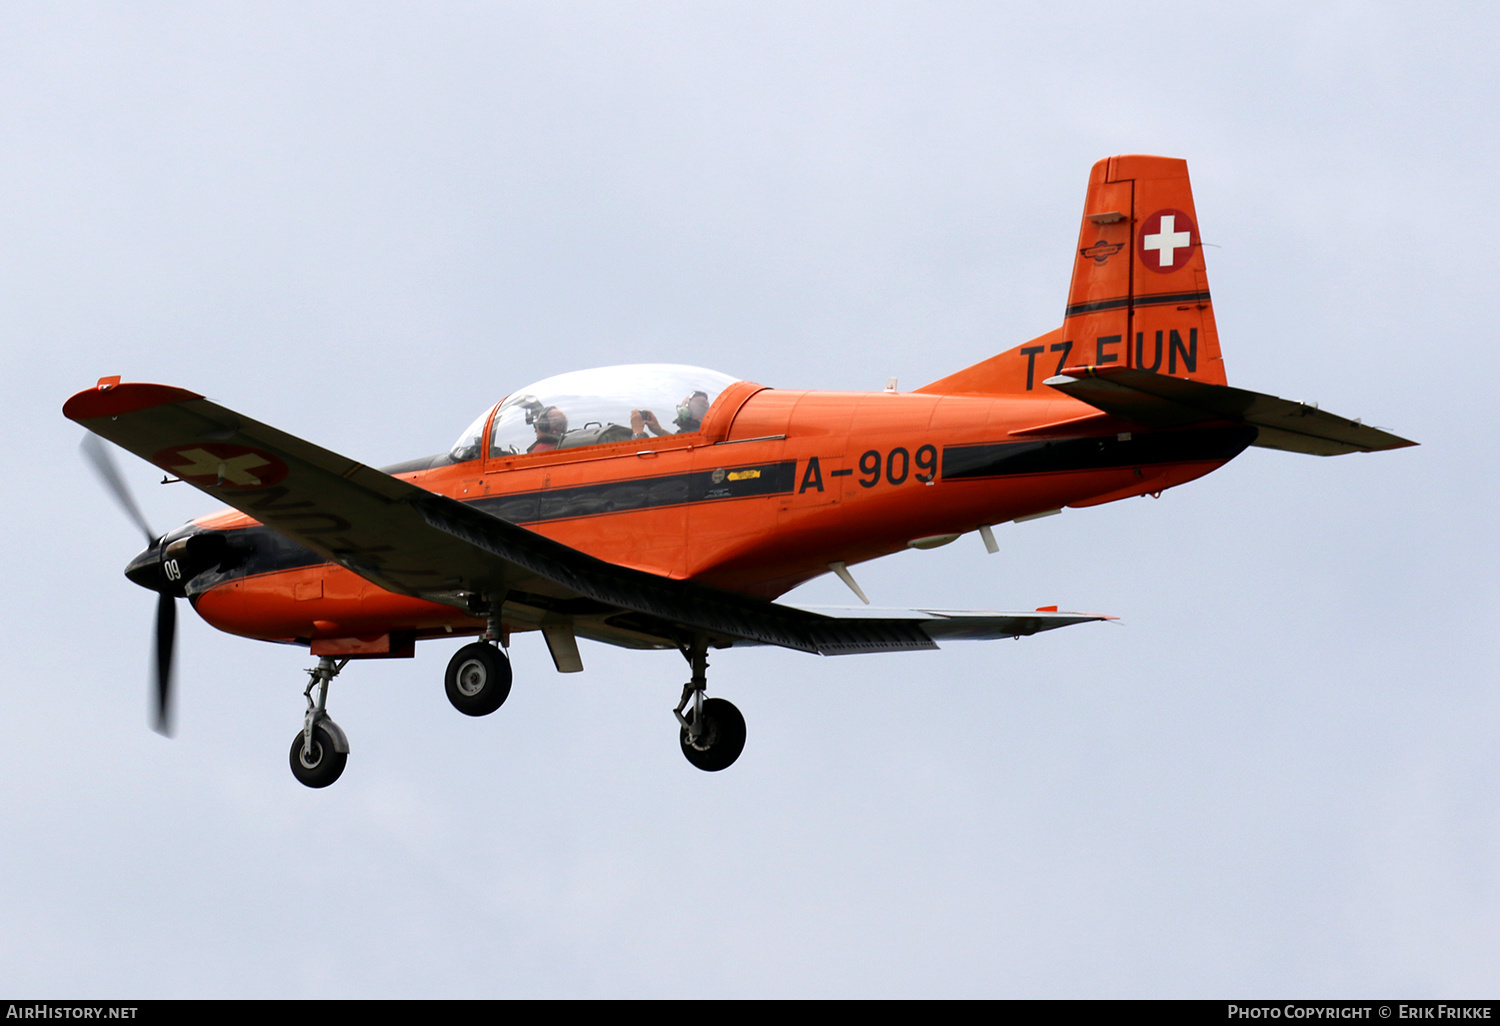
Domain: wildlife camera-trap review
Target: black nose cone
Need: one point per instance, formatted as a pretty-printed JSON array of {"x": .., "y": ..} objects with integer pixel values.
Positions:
[{"x": 145, "y": 569}]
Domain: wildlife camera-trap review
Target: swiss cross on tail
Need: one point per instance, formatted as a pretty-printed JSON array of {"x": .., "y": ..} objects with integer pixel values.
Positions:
[{"x": 1167, "y": 241}]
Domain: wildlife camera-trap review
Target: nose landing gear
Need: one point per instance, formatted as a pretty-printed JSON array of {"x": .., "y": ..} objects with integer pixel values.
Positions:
[
  {"x": 713, "y": 730},
  {"x": 320, "y": 751}
]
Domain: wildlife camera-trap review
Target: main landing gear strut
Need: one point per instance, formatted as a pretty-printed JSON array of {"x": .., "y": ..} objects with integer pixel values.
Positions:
[
  {"x": 320, "y": 750},
  {"x": 713, "y": 731}
]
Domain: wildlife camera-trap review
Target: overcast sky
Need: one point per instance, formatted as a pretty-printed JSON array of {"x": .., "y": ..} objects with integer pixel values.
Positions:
[{"x": 364, "y": 223}]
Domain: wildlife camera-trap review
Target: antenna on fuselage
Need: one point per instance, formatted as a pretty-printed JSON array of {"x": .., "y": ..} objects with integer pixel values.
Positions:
[{"x": 848, "y": 578}]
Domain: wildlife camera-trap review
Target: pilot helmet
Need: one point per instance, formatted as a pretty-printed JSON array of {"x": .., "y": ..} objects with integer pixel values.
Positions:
[
  {"x": 692, "y": 409},
  {"x": 550, "y": 422}
]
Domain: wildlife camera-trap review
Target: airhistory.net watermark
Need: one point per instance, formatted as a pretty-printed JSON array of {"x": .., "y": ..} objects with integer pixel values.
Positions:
[{"x": 70, "y": 1011}]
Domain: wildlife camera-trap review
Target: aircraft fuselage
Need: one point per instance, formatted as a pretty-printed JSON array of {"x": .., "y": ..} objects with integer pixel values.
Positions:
[{"x": 777, "y": 485}]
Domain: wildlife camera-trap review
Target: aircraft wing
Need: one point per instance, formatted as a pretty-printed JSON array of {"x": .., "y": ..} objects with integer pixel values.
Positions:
[
  {"x": 415, "y": 542},
  {"x": 1160, "y": 400}
]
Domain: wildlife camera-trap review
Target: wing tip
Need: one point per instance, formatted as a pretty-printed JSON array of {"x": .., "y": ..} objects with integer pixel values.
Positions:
[{"x": 110, "y": 398}]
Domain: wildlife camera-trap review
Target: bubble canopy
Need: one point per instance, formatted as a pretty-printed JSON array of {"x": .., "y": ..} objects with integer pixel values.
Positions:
[{"x": 595, "y": 407}]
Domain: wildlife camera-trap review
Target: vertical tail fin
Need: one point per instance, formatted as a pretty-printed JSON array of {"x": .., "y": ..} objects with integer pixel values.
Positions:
[{"x": 1139, "y": 296}]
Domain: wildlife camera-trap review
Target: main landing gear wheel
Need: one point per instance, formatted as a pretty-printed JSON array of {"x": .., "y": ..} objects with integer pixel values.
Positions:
[
  {"x": 478, "y": 679},
  {"x": 721, "y": 740},
  {"x": 712, "y": 731},
  {"x": 323, "y": 764}
]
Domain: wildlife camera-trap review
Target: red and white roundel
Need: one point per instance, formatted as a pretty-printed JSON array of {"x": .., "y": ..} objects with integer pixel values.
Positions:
[
  {"x": 218, "y": 465},
  {"x": 1167, "y": 241}
]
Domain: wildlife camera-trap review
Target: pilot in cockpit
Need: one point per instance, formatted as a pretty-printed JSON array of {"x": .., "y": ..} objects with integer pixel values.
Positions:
[
  {"x": 550, "y": 424},
  {"x": 690, "y": 414}
]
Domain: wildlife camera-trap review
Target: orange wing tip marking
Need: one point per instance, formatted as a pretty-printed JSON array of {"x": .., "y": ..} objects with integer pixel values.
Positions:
[
  {"x": 109, "y": 398},
  {"x": 1046, "y": 609}
]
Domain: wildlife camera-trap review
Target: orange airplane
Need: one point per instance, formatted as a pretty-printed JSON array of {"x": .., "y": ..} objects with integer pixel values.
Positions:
[{"x": 572, "y": 509}]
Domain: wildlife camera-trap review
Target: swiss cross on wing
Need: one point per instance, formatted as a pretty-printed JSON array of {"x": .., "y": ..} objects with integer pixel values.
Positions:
[
  {"x": 1167, "y": 240},
  {"x": 218, "y": 465}
]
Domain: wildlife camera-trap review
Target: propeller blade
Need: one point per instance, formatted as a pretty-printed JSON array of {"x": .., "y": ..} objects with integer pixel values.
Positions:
[
  {"x": 97, "y": 454},
  {"x": 166, "y": 637},
  {"x": 103, "y": 463}
]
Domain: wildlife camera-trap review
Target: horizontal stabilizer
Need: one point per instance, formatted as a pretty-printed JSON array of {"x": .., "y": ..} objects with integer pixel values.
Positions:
[{"x": 1162, "y": 401}]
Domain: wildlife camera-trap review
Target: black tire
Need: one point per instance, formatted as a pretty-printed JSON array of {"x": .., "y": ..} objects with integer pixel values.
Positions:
[
  {"x": 723, "y": 740},
  {"x": 324, "y": 766},
  {"x": 478, "y": 679}
]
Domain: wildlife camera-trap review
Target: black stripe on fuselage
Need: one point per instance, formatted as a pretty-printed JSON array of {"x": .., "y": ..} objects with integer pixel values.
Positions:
[
  {"x": 260, "y": 550},
  {"x": 1163, "y": 299},
  {"x": 1005, "y": 459},
  {"x": 642, "y": 493}
]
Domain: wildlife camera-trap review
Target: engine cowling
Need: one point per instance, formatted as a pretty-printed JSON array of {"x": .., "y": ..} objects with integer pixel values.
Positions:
[{"x": 169, "y": 564}]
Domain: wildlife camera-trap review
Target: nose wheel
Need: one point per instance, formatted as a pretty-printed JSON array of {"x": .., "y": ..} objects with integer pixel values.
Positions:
[
  {"x": 712, "y": 731},
  {"x": 321, "y": 764},
  {"x": 320, "y": 750}
]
